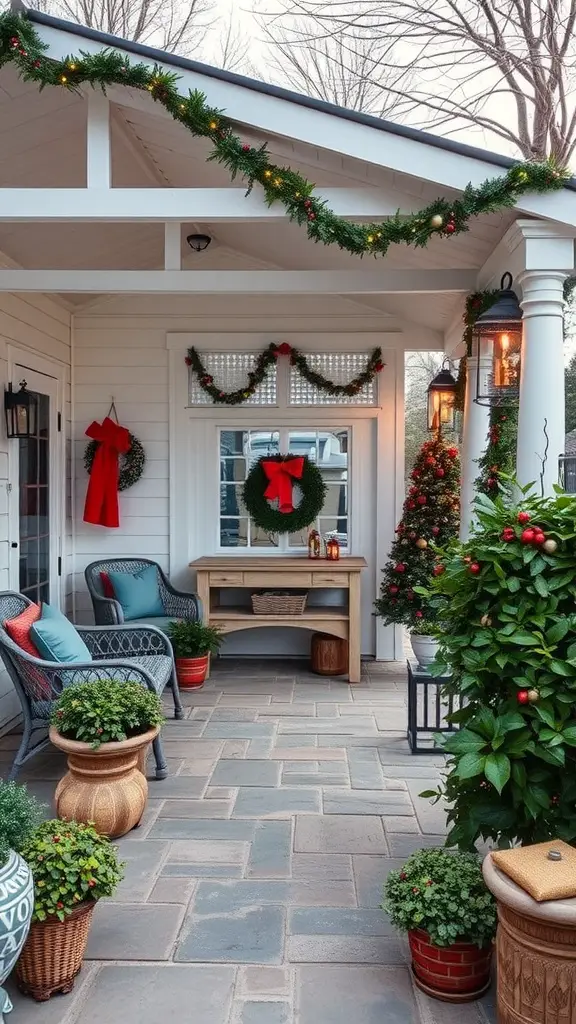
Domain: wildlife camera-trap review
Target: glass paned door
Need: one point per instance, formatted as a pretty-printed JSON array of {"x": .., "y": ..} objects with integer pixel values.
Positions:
[
  {"x": 37, "y": 489},
  {"x": 34, "y": 517}
]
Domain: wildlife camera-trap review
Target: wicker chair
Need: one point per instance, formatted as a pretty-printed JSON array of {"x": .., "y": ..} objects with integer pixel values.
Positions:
[
  {"x": 126, "y": 653},
  {"x": 108, "y": 612}
]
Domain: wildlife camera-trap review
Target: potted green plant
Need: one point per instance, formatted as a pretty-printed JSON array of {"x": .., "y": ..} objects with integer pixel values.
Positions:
[
  {"x": 193, "y": 643},
  {"x": 73, "y": 867},
  {"x": 19, "y": 813},
  {"x": 423, "y": 641},
  {"x": 105, "y": 728},
  {"x": 505, "y": 601},
  {"x": 441, "y": 900}
]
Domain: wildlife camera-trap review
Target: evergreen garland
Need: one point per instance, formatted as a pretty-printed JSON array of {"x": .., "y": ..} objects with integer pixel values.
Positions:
[
  {"x": 430, "y": 519},
  {"x": 21, "y": 45},
  {"x": 266, "y": 359},
  {"x": 270, "y": 519},
  {"x": 131, "y": 462},
  {"x": 500, "y": 454}
]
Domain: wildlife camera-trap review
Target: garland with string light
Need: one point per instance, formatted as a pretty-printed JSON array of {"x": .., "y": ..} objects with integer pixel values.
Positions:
[
  {"x": 262, "y": 366},
  {"x": 21, "y": 45}
]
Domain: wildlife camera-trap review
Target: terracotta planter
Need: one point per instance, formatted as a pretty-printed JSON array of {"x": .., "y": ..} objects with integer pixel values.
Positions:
[
  {"x": 105, "y": 786},
  {"x": 456, "y": 974},
  {"x": 191, "y": 672},
  {"x": 53, "y": 953}
]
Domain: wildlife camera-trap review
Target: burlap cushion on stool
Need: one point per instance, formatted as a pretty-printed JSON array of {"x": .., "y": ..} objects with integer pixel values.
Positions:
[{"x": 542, "y": 877}]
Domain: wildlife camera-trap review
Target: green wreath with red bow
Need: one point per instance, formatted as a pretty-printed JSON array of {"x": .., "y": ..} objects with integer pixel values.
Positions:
[{"x": 272, "y": 479}]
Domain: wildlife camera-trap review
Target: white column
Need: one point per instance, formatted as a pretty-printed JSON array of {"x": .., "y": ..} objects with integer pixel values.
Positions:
[
  {"x": 541, "y": 411},
  {"x": 474, "y": 436}
]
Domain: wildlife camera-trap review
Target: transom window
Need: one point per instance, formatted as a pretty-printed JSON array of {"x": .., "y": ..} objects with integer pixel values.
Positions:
[{"x": 240, "y": 448}]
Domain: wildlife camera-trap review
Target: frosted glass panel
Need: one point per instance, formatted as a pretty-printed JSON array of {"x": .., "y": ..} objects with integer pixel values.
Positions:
[
  {"x": 339, "y": 367},
  {"x": 229, "y": 371}
]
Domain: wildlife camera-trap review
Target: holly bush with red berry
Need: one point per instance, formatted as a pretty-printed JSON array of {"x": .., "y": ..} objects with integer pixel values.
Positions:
[
  {"x": 431, "y": 517},
  {"x": 506, "y": 603},
  {"x": 71, "y": 863}
]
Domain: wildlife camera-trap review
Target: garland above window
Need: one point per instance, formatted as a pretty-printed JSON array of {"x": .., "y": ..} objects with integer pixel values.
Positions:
[
  {"x": 21, "y": 45},
  {"x": 266, "y": 359}
]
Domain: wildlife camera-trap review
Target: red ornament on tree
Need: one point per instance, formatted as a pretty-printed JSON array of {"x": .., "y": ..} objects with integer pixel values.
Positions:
[
  {"x": 419, "y": 615},
  {"x": 393, "y": 590},
  {"x": 430, "y": 461},
  {"x": 435, "y": 530},
  {"x": 439, "y": 472},
  {"x": 422, "y": 499},
  {"x": 438, "y": 570},
  {"x": 400, "y": 567}
]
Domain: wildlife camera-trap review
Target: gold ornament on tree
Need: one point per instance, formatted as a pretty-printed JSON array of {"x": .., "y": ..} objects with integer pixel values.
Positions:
[{"x": 421, "y": 543}]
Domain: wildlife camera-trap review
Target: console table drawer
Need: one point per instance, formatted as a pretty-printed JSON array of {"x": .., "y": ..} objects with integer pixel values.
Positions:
[
  {"x": 330, "y": 579},
  {"x": 277, "y": 580},
  {"x": 226, "y": 579}
]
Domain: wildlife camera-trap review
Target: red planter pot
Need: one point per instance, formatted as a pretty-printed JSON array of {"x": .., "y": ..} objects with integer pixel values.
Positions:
[
  {"x": 191, "y": 672},
  {"x": 456, "y": 974}
]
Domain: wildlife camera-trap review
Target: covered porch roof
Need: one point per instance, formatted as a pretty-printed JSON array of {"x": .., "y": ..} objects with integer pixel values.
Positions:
[{"x": 150, "y": 185}]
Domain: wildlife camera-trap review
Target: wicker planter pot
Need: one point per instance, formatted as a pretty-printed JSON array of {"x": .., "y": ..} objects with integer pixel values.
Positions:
[
  {"x": 53, "y": 954},
  {"x": 191, "y": 672},
  {"x": 105, "y": 786},
  {"x": 455, "y": 974}
]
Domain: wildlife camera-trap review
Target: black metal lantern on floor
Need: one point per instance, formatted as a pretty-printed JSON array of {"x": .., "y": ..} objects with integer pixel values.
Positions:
[
  {"x": 498, "y": 331},
  {"x": 21, "y": 409},
  {"x": 441, "y": 400}
]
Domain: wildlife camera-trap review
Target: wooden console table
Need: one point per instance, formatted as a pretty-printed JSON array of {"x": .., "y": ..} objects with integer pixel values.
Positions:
[{"x": 277, "y": 573}]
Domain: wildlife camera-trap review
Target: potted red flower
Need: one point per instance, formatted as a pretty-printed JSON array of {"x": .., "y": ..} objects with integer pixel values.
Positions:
[
  {"x": 441, "y": 900},
  {"x": 193, "y": 643}
]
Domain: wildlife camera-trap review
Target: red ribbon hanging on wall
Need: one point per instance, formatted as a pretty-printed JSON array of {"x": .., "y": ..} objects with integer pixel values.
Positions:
[
  {"x": 281, "y": 476},
  {"x": 101, "y": 507}
]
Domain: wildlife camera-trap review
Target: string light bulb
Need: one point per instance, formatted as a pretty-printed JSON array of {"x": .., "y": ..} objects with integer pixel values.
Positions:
[
  {"x": 63, "y": 79},
  {"x": 267, "y": 173},
  {"x": 213, "y": 125}
]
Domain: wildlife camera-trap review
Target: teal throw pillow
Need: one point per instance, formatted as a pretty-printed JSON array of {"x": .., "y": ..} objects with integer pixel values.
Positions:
[
  {"x": 138, "y": 593},
  {"x": 57, "y": 639}
]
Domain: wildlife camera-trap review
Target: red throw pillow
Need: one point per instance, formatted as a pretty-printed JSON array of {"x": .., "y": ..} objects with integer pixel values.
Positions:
[
  {"x": 107, "y": 587},
  {"x": 18, "y": 629}
]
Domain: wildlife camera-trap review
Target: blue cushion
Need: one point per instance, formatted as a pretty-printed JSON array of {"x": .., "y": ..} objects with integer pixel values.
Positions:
[
  {"x": 139, "y": 594},
  {"x": 56, "y": 638}
]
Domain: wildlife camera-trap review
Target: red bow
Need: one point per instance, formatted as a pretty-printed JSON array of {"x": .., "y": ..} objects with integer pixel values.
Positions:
[
  {"x": 280, "y": 475},
  {"x": 101, "y": 506}
]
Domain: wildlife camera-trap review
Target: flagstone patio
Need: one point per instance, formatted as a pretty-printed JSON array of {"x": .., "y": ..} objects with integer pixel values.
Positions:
[{"x": 253, "y": 885}]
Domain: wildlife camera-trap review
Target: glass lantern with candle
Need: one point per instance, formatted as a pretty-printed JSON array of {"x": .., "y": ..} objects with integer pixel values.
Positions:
[{"x": 498, "y": 335}]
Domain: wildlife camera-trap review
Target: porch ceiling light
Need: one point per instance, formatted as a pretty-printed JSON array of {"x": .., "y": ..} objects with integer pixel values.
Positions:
[
  {"x": 441, "y": 400},
  {"x": 198, "y": 242},
  {"x": 21, "y": 409},
  {"x": 500, "y": 328}
]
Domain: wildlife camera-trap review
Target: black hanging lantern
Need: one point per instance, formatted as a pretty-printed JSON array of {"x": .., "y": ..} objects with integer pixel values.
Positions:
[
  {"x": 21, "y": 410},
  {"x": 441, "y": 400},
  {"x": 500, "y": 327}
]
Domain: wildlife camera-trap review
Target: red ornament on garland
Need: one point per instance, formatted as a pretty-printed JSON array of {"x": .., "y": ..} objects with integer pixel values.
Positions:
[
  {"x": 311, "y": 216},
  {"x": 188, "y": 361},
  {"x": 246, "y": 148},
  {"x": 283, "y": 350},
  {"x": 450, "y": 228},
  {"x": 379, "y": 367}
]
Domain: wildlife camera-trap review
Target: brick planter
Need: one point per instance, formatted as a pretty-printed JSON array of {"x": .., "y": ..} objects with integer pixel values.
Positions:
[{"x": 456, "y": 974}]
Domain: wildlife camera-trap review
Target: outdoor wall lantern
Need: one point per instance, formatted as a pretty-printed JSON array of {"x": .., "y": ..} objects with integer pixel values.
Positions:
[
  {"x": 500, "y": 327},
  {"x": 21, "y": 410},
  {"x": 441, "y": 400}
]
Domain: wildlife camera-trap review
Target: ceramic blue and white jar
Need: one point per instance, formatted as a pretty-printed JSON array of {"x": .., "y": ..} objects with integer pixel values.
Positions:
[{"x": 16, "y": 908}]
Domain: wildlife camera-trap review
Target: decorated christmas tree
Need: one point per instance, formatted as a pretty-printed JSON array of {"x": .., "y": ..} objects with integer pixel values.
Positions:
[{"x": 431, "y": 519}]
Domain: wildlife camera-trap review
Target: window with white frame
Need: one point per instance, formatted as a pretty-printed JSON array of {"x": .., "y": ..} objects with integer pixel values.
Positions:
[{"x": 240, "y": 448}]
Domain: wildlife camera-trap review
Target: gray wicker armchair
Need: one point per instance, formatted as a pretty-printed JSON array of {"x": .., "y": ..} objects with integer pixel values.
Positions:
[
  {"x": 108, "y": 612},
  {"x": 126, "y": 653}
]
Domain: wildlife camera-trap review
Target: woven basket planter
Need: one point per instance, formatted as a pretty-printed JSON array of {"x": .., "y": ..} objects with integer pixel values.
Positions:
[
  {"x": 53, "y": 954},
  {"x": 279, "y": 604}
]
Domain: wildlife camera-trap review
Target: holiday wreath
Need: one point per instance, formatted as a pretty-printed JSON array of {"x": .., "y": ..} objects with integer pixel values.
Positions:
[
  {"x": 131, "y": 463},
  {"x": 272, "y": 479}
]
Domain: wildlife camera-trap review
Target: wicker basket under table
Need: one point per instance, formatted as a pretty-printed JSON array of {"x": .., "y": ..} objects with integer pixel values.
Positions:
[
  {"x": 53, "y": 954},
  {"x": 271, "y": 603}
]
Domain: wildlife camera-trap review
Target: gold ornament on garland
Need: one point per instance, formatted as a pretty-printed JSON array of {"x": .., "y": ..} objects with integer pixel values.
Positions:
[{"x": 21, "y": 45}]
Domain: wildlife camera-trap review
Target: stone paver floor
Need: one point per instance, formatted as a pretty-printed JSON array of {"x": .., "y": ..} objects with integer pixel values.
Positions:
[{"x": 253, "y": 885}]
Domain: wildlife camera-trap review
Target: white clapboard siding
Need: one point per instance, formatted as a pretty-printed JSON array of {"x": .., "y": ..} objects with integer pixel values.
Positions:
[{"x": 38, "y": 326}]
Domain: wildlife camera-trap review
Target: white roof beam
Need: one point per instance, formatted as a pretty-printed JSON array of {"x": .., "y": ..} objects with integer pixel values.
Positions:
[
  {"x": 172, "y": 246},
  {"x": 276, "y": 116},
  {"x": 183, "y": 204},
  {"x": 98, "y": 151},
  {"x": 247, "y": 282}
]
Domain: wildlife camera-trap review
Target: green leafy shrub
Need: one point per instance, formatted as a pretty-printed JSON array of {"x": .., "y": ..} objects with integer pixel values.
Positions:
[
  {"x": 194, "y": 639},
  {"x": 106, "y": 710},
  {"x": 506, "y": 601},
  {"x": 445, "y": 895},
  {"x": 70, "y": 863},
  {"x": 20, "y": 812}
]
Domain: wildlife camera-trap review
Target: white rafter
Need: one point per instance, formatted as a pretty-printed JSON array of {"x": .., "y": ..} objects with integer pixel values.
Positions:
[{"x": 251, "y": 282}]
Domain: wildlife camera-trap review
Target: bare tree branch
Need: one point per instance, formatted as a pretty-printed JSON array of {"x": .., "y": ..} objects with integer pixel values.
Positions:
[{"x": 505, "y": 67}]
